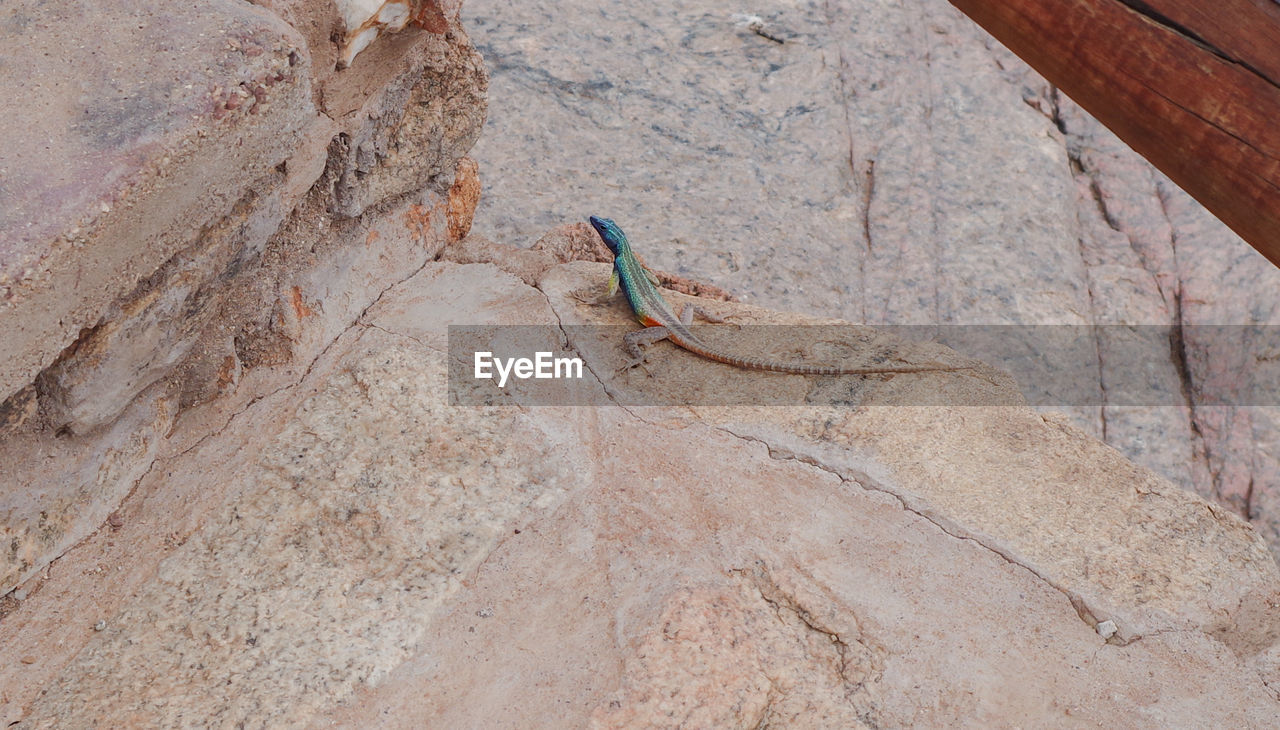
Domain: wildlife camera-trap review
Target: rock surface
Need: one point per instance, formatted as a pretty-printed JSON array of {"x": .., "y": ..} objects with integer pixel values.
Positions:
[
  {"x": 885, "y": 163},
  {"x": 88, "y": 203},
  {"x": 242, "y": 497},
  {"x": 369, "y": 555},
  {"x": 199, "y": 215}
]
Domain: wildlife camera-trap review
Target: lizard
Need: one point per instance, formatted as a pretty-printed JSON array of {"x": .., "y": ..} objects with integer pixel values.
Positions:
[{"x": 639, "y": 285}]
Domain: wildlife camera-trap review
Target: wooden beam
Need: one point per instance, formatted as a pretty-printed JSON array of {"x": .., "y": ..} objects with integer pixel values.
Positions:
[{"x": 1191, "y": 85}]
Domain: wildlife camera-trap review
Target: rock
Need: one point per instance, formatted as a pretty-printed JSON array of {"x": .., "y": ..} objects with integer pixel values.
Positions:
[
  {"x": 206, "y": 245},
  {"x": 528, "y": 265},
  {"x": 885, "y": 164},
  {"x": 371, "y": 551},
  {"x": 88, "y": 206},
  {"x": 17, "y": 410},
  {"x": 464, "y": 196},
  {"x": 294, "y": 522},
  {"x": 926, "y": 458},
  {"x": 574, "y": 242},
  {"x": 425, "y": 123}
]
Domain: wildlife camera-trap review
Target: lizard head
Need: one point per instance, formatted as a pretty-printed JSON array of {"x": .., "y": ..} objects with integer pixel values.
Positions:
[{"x": 610, "y": 233}]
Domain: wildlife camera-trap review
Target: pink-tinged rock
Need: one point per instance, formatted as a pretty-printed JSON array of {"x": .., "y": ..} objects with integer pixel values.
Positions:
[
  {"x": 127, "y": 145},
  {"x": 236, "y": 263},
  {"x": 887, "y": 163},
  {"x": 365, "y": 20},
  {"x": 368, "y": 555}
]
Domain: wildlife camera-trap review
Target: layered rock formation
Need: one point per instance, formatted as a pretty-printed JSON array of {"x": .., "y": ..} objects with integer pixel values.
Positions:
[
  {"x": 206, "y": 208},
  {"x": 236, "y": 493}
]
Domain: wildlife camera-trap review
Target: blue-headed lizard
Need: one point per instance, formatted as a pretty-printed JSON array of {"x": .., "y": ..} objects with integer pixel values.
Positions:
[{"x": 639, "y": 286}]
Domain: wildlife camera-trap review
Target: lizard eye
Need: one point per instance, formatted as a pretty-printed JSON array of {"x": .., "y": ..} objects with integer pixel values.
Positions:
[{"x": 609, "y": 231}]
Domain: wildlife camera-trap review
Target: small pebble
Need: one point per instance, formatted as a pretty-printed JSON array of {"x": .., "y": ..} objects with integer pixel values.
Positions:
[
  {"x": 20, "y": 594},
  {"x": 100, "y": 625},
  {"x": 485, "y": 612},
  {"x": 1106, "y": 629}
]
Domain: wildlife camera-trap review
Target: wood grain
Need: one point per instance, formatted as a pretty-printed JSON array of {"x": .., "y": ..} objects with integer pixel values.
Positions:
[{"x": 1191, "y": 85}]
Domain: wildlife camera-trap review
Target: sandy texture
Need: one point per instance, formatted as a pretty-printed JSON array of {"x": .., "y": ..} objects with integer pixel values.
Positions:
[{"x": 885, "y": 163}]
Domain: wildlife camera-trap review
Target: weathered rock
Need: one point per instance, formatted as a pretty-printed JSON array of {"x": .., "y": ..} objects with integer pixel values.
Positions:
[
  {"x": 427, "y": 123},
  {"x": 161, "y": 129},
  {"x": 365, "y": 20},
  {"x": 528, "y": 265},
  {"x": 1193, "y": 271},
  {"x": 184, "y": 281},
  {"x": 885, "y": 163},
  {"x": 17, "y": 410},
  {"x": 370, "y": 555},
  {"x": 753, "y": 163},
  {"x": 298, "y": 529},
  {"x": 927, "y": 459}
]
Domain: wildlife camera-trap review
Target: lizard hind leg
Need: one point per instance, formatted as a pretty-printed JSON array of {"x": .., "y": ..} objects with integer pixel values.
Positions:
[{"x": 635, "y": 342}]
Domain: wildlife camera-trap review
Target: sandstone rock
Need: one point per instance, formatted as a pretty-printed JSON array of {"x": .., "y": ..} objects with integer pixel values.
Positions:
[
  {"x": 886, "y": 164},
  {"x": 365, "y": 20},
  {"x": 88, "y": 204},
  {"x": 374, "y": 556},
  {"x": 181, "y": 282},
  {"x": 425, "y": 123},
  {"x": 299, "y": 529}
]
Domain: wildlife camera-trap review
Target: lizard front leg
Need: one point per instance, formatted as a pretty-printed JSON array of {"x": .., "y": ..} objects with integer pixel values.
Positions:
[{"x": 634, "y": 342}]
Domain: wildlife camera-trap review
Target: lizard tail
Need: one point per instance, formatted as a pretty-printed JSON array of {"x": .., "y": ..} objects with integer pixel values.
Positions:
[{"x": 799, "y": 368}]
